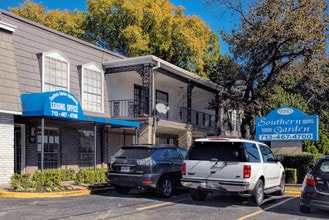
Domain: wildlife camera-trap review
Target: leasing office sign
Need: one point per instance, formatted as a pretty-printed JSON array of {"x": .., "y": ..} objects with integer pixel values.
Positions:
[
  {"x": 63, "y": 104},
  {"x": 287, "y": 124}
]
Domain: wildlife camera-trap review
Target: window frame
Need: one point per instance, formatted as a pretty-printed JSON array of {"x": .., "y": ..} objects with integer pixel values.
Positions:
[
  {"x": 51, "y": 148},
  {"x": 93, "y": 67},
  {"x": 86, "y": 151},
  {"x": 57, "y": 55}
]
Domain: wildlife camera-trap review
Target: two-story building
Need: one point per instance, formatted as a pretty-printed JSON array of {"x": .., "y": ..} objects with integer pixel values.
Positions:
[{"x": 65, "y": 103}]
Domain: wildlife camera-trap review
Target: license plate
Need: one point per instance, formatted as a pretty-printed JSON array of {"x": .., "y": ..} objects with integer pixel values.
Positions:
[
  {"x": 125, "y": 169},
  {"x": 213, "y": 184}
]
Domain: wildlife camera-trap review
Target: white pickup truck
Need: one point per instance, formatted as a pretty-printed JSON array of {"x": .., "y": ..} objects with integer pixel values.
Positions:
[{"x": 231, "y": 165}]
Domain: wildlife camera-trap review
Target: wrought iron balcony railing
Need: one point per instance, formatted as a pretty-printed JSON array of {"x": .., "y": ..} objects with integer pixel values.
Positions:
[{"x": 128, "y": 109}]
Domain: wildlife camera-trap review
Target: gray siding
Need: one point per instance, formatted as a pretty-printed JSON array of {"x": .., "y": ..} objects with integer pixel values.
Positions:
[
  {"x": 32, "y": 39},
  {"x": 9, "y": 88}
]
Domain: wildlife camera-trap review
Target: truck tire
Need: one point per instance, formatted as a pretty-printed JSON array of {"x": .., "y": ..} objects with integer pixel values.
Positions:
[
  {"x": 198, "y": 195},
  {"x": 257, "y": 196}
]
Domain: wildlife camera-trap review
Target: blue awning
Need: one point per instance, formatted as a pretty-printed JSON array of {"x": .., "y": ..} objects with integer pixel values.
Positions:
[{"x": 62, "y": 104}]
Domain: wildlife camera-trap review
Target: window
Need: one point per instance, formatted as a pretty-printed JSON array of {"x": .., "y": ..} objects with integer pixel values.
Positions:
[
  {"x": 253, "y": 154},
  {"x": 55, "y": 70},
  {"x": 86, "y": 149},
  {"x": 92, "y": 88},
  {"x": 141, "y": 100},
  {"x": 268, "y": 156},
  {"x": 221, "y": 151},
  {"x": 50, "y": 148},
  {"x": 162, "y": 97}
]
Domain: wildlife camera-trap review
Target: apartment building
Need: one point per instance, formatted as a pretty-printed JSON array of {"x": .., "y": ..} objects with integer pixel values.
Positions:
[{"x": 65, "y": 103}]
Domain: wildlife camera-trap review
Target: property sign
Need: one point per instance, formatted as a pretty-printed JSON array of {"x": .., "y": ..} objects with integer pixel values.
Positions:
[
  {"x": 287, "y": 124},
  {"x": 63, "y": 104}
]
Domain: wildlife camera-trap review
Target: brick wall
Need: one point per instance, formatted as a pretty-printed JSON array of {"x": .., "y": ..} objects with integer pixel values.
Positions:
[
  {"x": 69, "y": 152},
  {"x": 6, "y": 147},
  {"x": 118, "y": 138},
  {"x": 145, "y": 133}
]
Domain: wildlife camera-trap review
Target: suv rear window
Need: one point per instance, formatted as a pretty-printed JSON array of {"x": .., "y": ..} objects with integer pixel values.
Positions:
[
  {"x": 136, "y": 152},
  {"x": 222, "y": 151}
]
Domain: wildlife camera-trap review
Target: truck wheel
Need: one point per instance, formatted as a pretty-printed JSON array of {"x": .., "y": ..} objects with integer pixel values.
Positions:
[
  {"x": 122, "y": 189},
  {"x": 282, "y": 186},
  {"x": 304, "y": 209},
  {"x": 198, "y": 195},
  {"x": 164, "y": 187},
  {"x": 257, "y": 194}
]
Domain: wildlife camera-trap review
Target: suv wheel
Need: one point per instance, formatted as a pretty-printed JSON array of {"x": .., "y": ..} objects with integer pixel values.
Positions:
[
  {"x": 198, "y": 195},
  {"x": 122, "y": 189},
  {"x": 258, "y": 193},
  {"x": 164, "y": 187},
  {"x": 304, "y": 209},
  {"x": 282, "y": 186}
]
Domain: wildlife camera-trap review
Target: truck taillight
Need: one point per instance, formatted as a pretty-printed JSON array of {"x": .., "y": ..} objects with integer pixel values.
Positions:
[
  {"x": 183, "y": 168},
  {"x": 246, "y": 171}
]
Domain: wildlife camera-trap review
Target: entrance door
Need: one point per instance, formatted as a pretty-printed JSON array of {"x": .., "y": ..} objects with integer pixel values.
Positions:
[
  {"x": 141, "y": 100},
  {"x": 19, "y": 149},
  {"x": 51, "y": 154}
]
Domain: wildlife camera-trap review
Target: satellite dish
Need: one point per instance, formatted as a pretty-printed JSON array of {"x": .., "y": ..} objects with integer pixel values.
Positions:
[{"x": 162, "y": 108}]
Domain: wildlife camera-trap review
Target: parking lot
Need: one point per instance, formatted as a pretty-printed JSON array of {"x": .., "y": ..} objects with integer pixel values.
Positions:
[{"x": 145, "y": 205}]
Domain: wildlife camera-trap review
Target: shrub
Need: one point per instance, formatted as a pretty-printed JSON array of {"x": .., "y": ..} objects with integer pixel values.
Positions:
[
  {"x": 301, "y": 162},
  {"x": 46, "y": 180},
  {"x": 291, "y": 175},
  {"x": 67, "y": 174},
  {"x": 21, "y": 182},
  {"x": 91, "y": 176}
]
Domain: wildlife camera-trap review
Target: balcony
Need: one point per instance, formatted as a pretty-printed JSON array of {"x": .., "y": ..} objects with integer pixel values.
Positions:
[{"x": 128, "y": 109}]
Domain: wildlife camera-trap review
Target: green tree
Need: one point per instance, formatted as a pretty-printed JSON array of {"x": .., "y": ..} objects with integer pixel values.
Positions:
[
  {"x": 274, "y": 40},
  {"x": 135, "y": 28},
  {"x": 63, "y": 21},
  {"x": 140, "y": 27},
  {"x": 32, "y": 11}
]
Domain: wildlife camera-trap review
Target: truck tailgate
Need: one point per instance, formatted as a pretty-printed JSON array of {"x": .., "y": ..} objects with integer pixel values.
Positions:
[{"x": 212, "y": 170}]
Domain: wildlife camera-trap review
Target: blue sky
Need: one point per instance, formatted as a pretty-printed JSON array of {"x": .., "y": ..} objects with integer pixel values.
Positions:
[{"x": 207, "y": 13}]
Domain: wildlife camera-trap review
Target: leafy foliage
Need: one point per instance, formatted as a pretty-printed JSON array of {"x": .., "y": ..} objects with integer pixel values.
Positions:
[
  {"x": 141, "y": 27},
  {"x": 280, "y": 48},
  {"x": 90, "y": 176},
  {"x": 64, "y": 21},
  {"x": 135, "y": 28}
]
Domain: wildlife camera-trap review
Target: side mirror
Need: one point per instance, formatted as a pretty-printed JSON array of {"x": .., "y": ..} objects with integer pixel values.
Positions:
[{"x": 280, "y": 158}]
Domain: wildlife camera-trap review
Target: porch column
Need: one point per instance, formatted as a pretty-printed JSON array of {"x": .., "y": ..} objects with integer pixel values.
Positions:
[
  {"x": 146, "y": 132},
  {"x": 185, "y": 139},
  {"x": 189, "y": 102},
  {"x": 217, "y": 125}
]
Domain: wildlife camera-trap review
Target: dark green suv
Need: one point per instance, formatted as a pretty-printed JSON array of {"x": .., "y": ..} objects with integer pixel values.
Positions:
[{"x": 146, "y": 167}]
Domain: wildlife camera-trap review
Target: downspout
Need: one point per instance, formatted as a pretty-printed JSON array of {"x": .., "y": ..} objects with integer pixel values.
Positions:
[{"x": 154, "y": 126}]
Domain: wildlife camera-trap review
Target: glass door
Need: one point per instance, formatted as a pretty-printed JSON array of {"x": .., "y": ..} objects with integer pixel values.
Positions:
[{"x": 19, "y": 149}]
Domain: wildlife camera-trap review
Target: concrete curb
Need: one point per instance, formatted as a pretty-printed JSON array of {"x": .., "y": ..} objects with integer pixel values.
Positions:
[
  {"x": 293, "y": 193},
  {"x": 33, "y": 195}
]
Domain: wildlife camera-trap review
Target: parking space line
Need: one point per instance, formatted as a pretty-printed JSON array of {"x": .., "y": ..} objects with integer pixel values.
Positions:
[
  {"x": 159, "y": 205},
  {"x": 154, "y": 206},
  {"x": 263, "y": 210}
]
